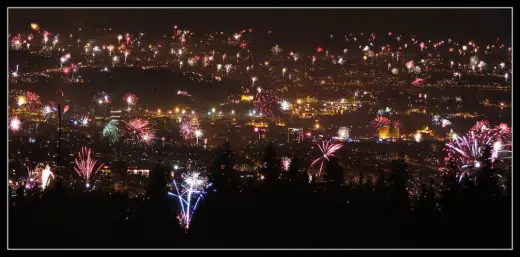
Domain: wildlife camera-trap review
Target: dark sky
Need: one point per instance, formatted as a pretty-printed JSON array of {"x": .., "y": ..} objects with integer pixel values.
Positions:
[{"x": 483, "y": 25}]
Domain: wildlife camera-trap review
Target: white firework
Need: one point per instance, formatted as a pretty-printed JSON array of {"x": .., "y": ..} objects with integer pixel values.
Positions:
[{"x": 285, "y": 105}]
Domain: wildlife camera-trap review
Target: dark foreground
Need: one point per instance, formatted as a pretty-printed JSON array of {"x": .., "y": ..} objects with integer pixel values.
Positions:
[{"x": 278, "y": 214}]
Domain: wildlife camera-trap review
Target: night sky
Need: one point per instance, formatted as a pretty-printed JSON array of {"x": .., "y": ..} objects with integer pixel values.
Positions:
[{"x": 481, "y": 25}]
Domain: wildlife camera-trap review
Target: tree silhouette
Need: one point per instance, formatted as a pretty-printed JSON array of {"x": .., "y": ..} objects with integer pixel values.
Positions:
[
  {"x": 157, "y": 184},
  {"x": 294, "y": 173},
  {"x": 334, "y": 172},
  {"x": 222, "y": 167},
  {"x": 397, "y": 188},
  {"x": 271, "y": 166}
]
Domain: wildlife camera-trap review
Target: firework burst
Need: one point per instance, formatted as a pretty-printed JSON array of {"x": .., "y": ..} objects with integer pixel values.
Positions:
[
  {"x": 130, "y": 99},
  {"x": 102, "y": 98},
  {"x": 264, "y": 102},
  {"x": 137, "y": 129},
  {"x": 286, "y": 163},
  {"x": 32, "y": 98},
  {"x": 192, "y": 189},
  {"x": 46, "y": 111},
  {"x": 46, "y": 176},
  {"x": 276, "y": 50},
  {"x": 85, "y": 165},
  {"x": 111, "y": 131},
  {"x": 445, "y": 123},
  {"x": 284, "y": 105},
  {"x": 436, "y": 120},
  {"x": 467, "y": 151},
  {"x": 343, "y": 133},
  {"x": 189, "y": 127},
  {"x": 380, "y": 121},
  {"x": 148, "y": 136},
  {"x": 327, "y": 150},
  {"x": 83, "y": 121},
  {"x": 15, "y": 124}
]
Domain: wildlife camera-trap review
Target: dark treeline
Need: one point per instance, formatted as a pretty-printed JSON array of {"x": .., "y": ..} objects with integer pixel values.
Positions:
[{"x": 283, "y": 210}]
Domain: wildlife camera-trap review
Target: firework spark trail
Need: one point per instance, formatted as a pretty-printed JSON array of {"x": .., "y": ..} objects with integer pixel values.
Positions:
[
  {"x": 85, "y": 165},
  {"x": 327, "y": 149},
  {"x": 111, "y": 131},
  {"x": 193, "y": 187},
  {"x": 46, "y": 175}
]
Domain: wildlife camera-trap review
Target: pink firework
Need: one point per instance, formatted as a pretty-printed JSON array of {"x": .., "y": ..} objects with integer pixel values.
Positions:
[
  {"x": 380, "y": 121},
  {"x": 419, "y": 82},
  {"x": 136, "y": 128},
  {"x": 85, "y": 165},
  {"x": 148, "y": 136},
  {"x": 467, "y": 151},
  {"x": 481, "y": 125},
  {"x": 130, "y": 99},
  {"x": 66, "y": 108},
  {"x": 15, "y": 124},
  {"x": 327, "y": 149},
  {"x": 16, "y": 42},
  {"x": 410, "y": 65},
  {"x": 396, "y": 124},
  {"x": 286, "y": 163},
  {"x": 188, "y": 127},
  {"x": 505, "y": 130}
]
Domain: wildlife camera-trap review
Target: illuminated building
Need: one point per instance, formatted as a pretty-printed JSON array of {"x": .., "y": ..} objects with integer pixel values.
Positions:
[
  {"x": 246, "y": 98},
  {"x": 294, "y": 135},
  {"x": 383, "y": 132},
  {"x": 116, "y": 114},
  {"x": 425, "y": 134},
  {"x": 388, "y": 132},
  {"x": 134, "y": 170},
  {"x": 260, "y": 124}
]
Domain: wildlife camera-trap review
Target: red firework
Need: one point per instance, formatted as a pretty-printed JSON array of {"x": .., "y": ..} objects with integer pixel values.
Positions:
[
  {"x": 396, "y": 123},
  {"x": 32, "y": 98},
  {"x": 380, "y": 121},
  {"x": 264, "y": 102}
]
